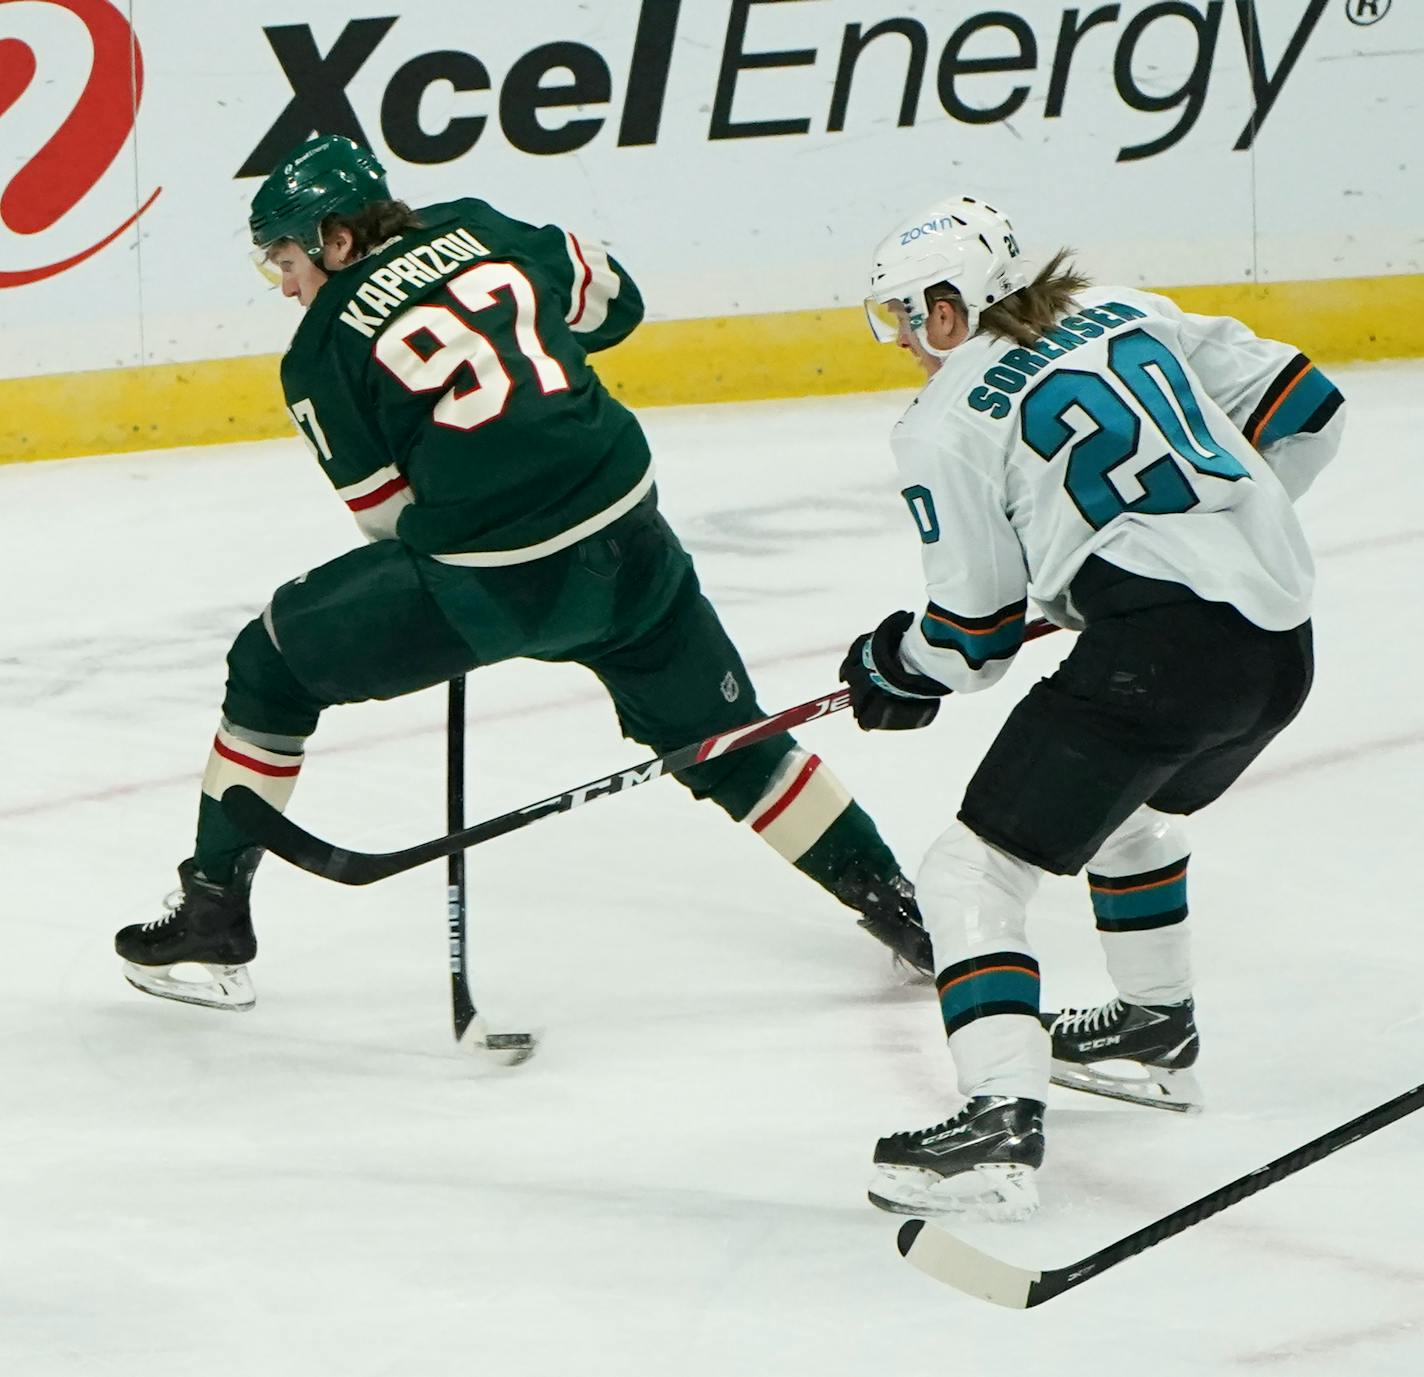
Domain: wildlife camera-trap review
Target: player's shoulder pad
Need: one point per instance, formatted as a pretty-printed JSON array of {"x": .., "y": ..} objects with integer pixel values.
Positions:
[
  {"x": 485, "y": 220},
  {"x": 1149, "y": 302}
]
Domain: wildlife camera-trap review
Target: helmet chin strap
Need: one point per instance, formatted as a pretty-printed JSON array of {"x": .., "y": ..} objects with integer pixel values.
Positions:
[
  {"x": 318, "y": 255},
  {"x": 971, "y": 322},
  {"x": 923, "y": 340}
]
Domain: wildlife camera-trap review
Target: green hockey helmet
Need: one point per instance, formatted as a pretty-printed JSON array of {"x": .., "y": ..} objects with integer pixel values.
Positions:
[{"x": 328, "y": 175}]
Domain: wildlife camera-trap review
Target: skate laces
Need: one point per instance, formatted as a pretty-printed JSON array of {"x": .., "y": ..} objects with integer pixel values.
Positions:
[
  {"x": 1087, "y": 1020},
  {"x": 172, "y": 902},
  {"x": 956, "y": 1120}
]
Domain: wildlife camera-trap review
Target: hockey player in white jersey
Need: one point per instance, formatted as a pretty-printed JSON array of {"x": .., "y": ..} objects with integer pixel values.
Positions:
[{"x": 1131, "y": 468}]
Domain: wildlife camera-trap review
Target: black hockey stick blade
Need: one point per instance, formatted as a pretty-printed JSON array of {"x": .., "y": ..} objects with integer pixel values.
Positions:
[
  {"x": 274, "y": 831},
  {"x": 948, "y": 1259},
  {"x": 504, "y": 1049}
]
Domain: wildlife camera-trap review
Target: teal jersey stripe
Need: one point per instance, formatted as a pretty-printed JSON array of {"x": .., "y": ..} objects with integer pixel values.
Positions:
[
  {"x": 1302, "y": 402},
  {"x": 971, "y": 992},
  {"x": 975, "y": 646},
  {"x": 1141, "y": 903}
]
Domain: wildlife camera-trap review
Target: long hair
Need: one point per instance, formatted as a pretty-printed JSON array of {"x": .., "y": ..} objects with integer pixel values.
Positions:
[
  {"x": 1029, "y": 312},
  {"x": 373, "y": 224}
]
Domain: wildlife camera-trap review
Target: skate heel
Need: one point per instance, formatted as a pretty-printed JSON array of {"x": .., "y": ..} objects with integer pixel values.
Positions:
[
  {"x": 1179, "y": 1090},
  {"x": 1002, "y": 1192}
]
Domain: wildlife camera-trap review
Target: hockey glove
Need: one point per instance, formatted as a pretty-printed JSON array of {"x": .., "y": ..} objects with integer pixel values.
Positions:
[{"x": 884, "y": 695}]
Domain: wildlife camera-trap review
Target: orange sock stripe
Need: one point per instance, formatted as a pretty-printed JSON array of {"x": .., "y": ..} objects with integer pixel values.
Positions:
[
  {"x": 1137, "y": 889},
  {"x": 988, "y": 970},
  {"x": 1265, "y": 420},
  {"x": 972, "y": 630}
]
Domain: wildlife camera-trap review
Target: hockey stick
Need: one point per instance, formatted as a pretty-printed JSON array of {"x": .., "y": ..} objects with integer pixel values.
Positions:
[
  {"x": 470, "y": 1029},
  {"x": 462, "y": 1004},
  {"x": 280, "y": 835},
  {"x": 948, "y": 1259}
]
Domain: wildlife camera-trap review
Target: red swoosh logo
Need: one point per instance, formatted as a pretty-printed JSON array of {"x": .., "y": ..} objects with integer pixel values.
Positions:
[{"x": 84, "y": 147}]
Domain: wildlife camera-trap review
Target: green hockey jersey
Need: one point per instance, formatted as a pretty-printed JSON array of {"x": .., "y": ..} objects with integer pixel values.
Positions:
[{"x": 443, "y": 384}]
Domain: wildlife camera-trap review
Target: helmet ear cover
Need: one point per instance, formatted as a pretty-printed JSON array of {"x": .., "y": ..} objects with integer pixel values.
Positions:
[
  {"x": 912, "y": 310},
  {"x": 329, "y": 175}
]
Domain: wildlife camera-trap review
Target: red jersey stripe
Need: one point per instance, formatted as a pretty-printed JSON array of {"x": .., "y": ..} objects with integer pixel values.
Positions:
[
  {"x": 582, "y": 299},
  {"x": 378, "y": 495}
]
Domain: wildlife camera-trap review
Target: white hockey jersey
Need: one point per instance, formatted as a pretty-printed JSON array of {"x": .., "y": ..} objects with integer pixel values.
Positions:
[{"x": 1169, "y": 444}]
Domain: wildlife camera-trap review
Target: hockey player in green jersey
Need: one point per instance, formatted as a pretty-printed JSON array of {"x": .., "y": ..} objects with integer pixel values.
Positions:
[{"x": 440, "y": 376}]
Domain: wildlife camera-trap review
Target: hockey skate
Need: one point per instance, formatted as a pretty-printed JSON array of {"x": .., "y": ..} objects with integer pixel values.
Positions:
[
  {"x": 1135, "y": 1052},
  {"x": 207, "y": 927},
  {"x": 890, "y": 914},
  {"x": 981, "y": 1161}
]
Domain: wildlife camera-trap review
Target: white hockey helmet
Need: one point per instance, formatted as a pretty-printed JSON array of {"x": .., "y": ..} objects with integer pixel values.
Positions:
[{"x": 963, "y": 242}]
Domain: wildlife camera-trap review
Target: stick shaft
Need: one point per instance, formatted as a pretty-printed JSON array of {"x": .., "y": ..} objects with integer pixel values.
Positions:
[
  {"x": 462, "y": 1005},
  {"x": 1286, "y": 1165}
]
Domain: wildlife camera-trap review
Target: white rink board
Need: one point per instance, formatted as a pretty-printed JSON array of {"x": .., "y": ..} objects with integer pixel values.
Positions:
[
  {"x": 709, "y": 163},
  {"x": 675, "y": 1184}
]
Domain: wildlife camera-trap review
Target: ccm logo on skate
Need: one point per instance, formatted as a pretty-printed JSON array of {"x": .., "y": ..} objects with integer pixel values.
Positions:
[{"x": 77, "y": 64}]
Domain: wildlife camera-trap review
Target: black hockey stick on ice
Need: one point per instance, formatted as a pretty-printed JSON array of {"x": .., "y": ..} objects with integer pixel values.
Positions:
[
  {"x": 280, "y": 835},
  {"x": 945, "y": 1258},
  {"x": 462, "y": 1004},
  {"x": 470, "y": 1029}
]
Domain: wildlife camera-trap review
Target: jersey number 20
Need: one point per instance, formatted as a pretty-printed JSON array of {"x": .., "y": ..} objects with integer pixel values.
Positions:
[{"x": 1096, "y": 473}]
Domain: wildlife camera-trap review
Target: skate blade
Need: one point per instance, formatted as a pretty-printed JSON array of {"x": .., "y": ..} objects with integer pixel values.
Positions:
[
  {"x": 227, "y": 987},
  {"x": 1178, "y": 1091},
  {"x": 1002, "y": 1192}
]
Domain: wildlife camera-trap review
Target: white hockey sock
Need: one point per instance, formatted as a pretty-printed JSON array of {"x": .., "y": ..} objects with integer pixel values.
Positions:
[
  {"x": 801, "y": 800},
  {"x": 266, "y": 764},
  {"x": 974, "y": 899},
  {"x": 1002, "y": 1054},
  {"x": 1138, "y": 884},
  {"x": 1153, "y": 967}
]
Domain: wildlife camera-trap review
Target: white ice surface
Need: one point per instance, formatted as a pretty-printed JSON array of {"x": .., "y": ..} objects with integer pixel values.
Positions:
[{"x": 675, "y": 1184}]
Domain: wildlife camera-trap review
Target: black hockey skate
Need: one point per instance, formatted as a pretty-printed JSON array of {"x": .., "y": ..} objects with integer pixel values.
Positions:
[
  {"x": 206, "y": 925},
  {"x": 1135, "y": 1052},
  {"x": 982, "y": 1160},
  {"x": 891, "y": 914}
]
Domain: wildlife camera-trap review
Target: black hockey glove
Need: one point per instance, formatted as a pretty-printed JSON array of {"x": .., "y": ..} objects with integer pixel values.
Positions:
[{"x": 884, "y": 695}]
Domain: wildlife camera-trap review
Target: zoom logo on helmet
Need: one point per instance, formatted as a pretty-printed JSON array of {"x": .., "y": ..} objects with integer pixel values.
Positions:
[{"x": 72, "y": 68}]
